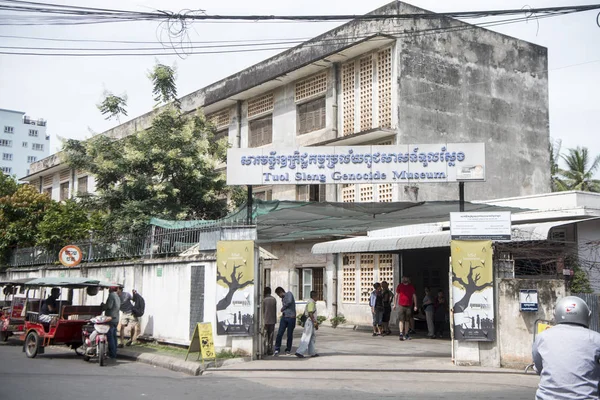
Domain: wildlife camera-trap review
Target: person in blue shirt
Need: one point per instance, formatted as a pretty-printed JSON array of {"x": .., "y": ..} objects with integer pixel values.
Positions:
[{"x": 287, "y": 321}]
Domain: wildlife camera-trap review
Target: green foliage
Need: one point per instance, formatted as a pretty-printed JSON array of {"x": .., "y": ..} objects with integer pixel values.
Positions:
[
  {"x": 580, "y": 171},
  {"x": 321, "y": 319},
  {"x": 8, "y": 185},
  {"x": 239, "y": 195},
  {"x": 113, "y": 106},
  {"x": 63, "y": 223},
  {"x": 20, "y": 213},
  {"x": 164, "y": 88},
  {"x": 167, "y": 171},
  {"x": 580, "y": 282},
  {"x": 335, "y": 321}
]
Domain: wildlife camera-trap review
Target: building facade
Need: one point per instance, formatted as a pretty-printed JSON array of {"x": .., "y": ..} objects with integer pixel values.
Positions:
[{"x": 23, "y": 141}]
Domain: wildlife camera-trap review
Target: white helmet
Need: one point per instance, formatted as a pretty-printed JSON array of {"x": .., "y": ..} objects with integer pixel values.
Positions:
[{"x": 572, "y": 310}]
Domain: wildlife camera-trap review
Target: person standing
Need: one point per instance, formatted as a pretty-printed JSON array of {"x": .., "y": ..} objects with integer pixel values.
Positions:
[
  {"x": 567, "y": 355},
  {"x": 429, "y": 309},
  {"x": 307, "y": 343},
  {"x": 388, "y": 297},
  {"x": 126, "y": 319},
  {"x": 139, "y": 308},
  {"x": 440, "y": 313},
  {"x": 376, "y": 303},
  {"x": 407, "y": 301},
  {"x": 287, "y": 321},
  {"x": 111, "y": 309},
  {"x": 269, "y": 319}
]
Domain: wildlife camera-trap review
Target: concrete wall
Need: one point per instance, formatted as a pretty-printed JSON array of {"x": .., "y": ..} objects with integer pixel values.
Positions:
[
  {"x": 588, "y": 246},
  {"x": 475, "y": 85},
  {"x": 165, "y": 286},
  {"x": 516, "y": 328}
]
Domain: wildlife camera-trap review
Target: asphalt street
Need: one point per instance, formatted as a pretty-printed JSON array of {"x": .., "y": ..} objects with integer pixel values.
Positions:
[{"x": 61, "y": 374}]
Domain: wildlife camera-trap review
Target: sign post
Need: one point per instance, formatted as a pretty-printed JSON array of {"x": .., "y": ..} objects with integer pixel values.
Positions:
[{"x": 480, "y": 226}]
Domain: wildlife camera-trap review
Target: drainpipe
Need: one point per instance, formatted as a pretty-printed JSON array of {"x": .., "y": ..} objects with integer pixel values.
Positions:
[
  {"x": 239, "y": 124},
  {"x": 334, "y": 303},
  {"x": 72, "y": 185}
]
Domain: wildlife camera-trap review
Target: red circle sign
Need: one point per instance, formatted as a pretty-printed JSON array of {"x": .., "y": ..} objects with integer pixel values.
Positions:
[{"x": 70, "y": 256}]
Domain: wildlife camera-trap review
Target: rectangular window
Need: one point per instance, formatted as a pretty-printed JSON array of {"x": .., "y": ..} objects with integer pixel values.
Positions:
[
  {"x": 266, "y": 195},
  {"x": 260, "y": 105},
  {"x": 48, "y": 191},
  {"x": 314, "y": 193},
  {"x": 349, "y": 279},
  {"x": 37, "y": 146},
  {"x": 9, "y": 129},
  {"x": 7, "y": 156},
  {"x": 6, "y": 170},
  {"x": 310, "y": 279},
  {"x": 82, "y": 185},
  {"x": 219, "y": 119},
  {"x": 33, "y": 133},
  {"x": 31, "y": 159},
  {"x": 261, "y": 131},
  {"x": 367, "y": 277},
  {"x": 310, "y": 116},
  {"x": 64, "y": 191},
  {"x": 221, "y": 134},
  {"x": 5, "y": 143},
  {"x": 25, "y": 144}
]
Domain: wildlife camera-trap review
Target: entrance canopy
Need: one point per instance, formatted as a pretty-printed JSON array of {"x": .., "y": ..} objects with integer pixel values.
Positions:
[
  {"x": 283, "y": 221},
  {"x": 370, "y": 244}
]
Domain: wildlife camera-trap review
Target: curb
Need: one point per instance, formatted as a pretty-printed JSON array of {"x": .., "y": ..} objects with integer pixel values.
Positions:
[
  {"x": 415, "y": 371},
  {"x": 157, "y": 360}
]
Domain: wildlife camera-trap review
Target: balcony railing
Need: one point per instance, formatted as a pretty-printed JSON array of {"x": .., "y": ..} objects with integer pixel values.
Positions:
[{"x": 37, "y": 122}]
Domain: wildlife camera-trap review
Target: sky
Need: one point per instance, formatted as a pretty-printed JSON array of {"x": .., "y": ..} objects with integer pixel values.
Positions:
[{"x": 66, "y": 90}]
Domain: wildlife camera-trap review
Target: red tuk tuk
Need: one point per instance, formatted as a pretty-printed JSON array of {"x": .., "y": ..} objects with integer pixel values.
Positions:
[
  {"x": 12, "y": 319},
  {"x": 64, "y": 327}
]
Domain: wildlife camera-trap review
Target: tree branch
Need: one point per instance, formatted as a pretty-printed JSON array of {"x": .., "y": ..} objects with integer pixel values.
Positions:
[
  {"x": 222, "y": 278},
  {"x": 459, "y": 280}
]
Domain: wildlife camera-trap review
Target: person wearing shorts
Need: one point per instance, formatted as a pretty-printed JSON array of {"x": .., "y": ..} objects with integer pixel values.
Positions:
[
  {"x": 388, "y": 298},
  {"x": 376, "y": 303},
  {"x": 407, "y": 302},
  {"x": 127, "y": 319}
]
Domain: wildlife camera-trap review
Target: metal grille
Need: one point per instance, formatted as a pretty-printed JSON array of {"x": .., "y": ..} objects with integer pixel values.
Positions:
[
  {"x": 348, "y": 77},
  {"x": 348, "y": 193},
  {"x": 592, "y": 302},
  {"x": 48, "y": 180},
  {"x": 82, "y": 185},
  {"x": 260, "y": 105},
  {"x": 385, "y": 193},
  {"x": 367, "y": 269},
  {"x": 65, "y": 175},
  {"x": 366, "y": 93},
  {"x": 317, "y": 283},
  {"x": 312, "y": 86},
  {"x": 366, "y": 192},
  {"x": 349, "y": 279},
  {"x": 384, "y": 80},
  {"x": 220, "y": 119},
  {"x": 386, "y": 269}
]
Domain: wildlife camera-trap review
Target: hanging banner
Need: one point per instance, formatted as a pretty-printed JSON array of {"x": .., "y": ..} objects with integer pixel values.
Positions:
[
  {"x": 414, "y": 163},
  {"x": 473, "y": 290},
  {"x": 235, "y": 287}
]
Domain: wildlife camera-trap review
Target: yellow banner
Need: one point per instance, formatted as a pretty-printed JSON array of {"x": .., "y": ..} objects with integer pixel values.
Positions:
[
  {"x": 202, "y": 341},
  {"x": 473, "y": 290},
  {"x": 235, "y": 287}
]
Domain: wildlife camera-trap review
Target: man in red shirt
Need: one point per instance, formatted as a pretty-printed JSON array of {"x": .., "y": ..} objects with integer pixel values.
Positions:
[{"x": 407, "y": 299}]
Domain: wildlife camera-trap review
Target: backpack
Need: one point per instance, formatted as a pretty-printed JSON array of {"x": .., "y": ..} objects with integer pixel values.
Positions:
[{"x": 139, "y": 305}]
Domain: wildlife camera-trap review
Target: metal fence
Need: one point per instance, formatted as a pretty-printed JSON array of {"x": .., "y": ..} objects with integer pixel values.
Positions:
[{"x": 156, "y": 242}]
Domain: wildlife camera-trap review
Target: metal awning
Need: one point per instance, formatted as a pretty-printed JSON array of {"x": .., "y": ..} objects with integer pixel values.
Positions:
[{"x": 370, "y": 244}]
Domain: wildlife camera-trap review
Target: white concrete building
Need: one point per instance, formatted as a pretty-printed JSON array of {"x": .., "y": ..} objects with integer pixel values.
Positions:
[{"x": 23, "y": 141}]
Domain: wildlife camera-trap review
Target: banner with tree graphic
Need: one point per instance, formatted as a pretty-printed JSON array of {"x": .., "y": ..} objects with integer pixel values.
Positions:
[
  {"x": 235, "y": 287},
  {"x": 473, "y": 290}
]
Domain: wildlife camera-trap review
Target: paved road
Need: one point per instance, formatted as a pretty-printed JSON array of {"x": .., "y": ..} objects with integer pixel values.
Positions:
[{"x": 60, "y": 374}]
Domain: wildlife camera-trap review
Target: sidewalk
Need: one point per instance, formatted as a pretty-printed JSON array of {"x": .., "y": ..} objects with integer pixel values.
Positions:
[{"x": 339, "y": 350}]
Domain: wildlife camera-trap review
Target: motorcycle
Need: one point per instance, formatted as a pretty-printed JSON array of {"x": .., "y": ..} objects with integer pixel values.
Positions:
[{"x": 95, "y": 339}]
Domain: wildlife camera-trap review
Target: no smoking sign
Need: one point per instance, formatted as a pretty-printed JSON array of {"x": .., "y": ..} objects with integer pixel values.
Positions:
[{"x": 70, "y": 256}]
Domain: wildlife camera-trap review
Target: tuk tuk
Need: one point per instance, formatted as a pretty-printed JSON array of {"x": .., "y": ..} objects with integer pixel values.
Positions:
[
  {"x": 64, "y": 326},
  {"x": 12, "y": 319}
]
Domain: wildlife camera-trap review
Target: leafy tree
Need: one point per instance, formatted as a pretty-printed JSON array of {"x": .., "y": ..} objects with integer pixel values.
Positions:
[
  {"x": 113, "y": 106},
  {"x": 8, "y": 185},
  {"x": 580, "y": 282},
  {"x": 63, "y": 223},
  {"x": 167, "y": 171},
  {"x": 20, "y": 213},
  {"x": 579, "y": 174},
  {"x": 557, "y": 184},
  {"x": 164, "y": 87}
]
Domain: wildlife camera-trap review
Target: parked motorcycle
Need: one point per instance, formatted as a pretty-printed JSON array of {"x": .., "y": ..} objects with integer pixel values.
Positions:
[{"x": 95, "y": 339}]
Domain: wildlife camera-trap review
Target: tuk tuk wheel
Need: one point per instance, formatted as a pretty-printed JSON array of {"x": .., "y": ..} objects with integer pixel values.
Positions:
[{"x": 32, "y": 343}]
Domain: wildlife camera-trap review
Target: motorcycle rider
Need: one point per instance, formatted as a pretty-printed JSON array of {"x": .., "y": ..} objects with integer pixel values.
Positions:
[{"x": 567, "y": 355}]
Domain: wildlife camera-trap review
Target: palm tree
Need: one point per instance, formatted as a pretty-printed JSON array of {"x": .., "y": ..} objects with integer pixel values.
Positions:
[
  {"x": 556, "y": 183},
  {"x": 578, "y": 176}
]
